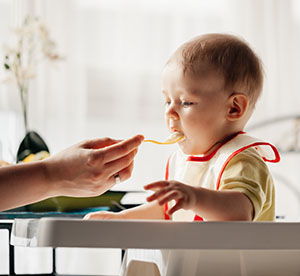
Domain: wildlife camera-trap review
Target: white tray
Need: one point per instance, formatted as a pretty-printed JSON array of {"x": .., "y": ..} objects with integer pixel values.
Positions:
[
  {"x": 163, "y": 248},
  {"x": 56, "y": 232}
]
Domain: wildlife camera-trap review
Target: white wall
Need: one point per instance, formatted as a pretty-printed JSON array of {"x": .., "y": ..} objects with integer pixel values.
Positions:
[{"x": 109, "y": 83}]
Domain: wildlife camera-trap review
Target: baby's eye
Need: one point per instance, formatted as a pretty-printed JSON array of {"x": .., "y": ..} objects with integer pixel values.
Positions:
[
  {"x": 167, "y": 103},
  {"x": 186, "y": 104}
]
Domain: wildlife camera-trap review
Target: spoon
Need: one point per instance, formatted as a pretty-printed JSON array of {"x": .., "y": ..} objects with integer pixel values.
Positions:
[{"x": 172, "y": 139}]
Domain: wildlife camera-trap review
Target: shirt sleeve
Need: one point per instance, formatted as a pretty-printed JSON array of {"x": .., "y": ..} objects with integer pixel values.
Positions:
[{"x": 249, "y": 174}]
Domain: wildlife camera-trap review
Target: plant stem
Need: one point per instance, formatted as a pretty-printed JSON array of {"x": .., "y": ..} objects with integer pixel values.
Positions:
[{"x": 24, "y": 97}]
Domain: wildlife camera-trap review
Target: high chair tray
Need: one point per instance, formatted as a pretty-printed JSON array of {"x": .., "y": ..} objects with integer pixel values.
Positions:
[{"x": 66, "y": 232}]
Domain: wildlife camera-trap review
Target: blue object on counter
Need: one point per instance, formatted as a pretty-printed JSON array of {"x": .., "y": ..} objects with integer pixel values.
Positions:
[{"x": 74, "y": 214}]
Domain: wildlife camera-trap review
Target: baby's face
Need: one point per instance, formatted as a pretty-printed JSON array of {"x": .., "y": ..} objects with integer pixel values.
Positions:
[{"x": 195, "y": 106}]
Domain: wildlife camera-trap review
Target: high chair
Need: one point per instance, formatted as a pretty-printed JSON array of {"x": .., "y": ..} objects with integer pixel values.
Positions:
[{"x": 164, "y": 248}]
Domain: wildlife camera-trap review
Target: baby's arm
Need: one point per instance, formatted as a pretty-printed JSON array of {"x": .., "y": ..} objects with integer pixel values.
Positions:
[
  {"x": 210, "y": 204},
  {"x": 224, "y": 205},
  {"x": 146, "y": 211}
]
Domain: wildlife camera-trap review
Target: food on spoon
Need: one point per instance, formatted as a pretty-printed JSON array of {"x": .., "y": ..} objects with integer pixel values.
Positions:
[{"x": 172, "y": 139}]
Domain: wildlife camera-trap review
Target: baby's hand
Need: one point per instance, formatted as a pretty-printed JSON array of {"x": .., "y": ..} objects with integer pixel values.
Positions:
[
  {"x": 165, "y": 191},
  {"x": 102, "y": 215}
]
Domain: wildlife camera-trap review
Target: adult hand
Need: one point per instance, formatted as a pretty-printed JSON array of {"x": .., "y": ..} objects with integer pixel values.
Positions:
[
  {"x": 165, "y": 191},
  {"x": 85, "y": 169},
  {"x": 88, "y": 168}
]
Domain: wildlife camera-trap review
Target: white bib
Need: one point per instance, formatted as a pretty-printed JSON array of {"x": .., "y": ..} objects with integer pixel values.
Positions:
[{"x": 206, "y": 171}]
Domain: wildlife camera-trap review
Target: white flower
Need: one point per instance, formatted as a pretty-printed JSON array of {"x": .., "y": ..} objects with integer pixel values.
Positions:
[{"x": 31, "y": 45}]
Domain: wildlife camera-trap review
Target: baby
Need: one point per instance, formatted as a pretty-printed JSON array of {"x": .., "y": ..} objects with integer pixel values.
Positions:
[{"x": 210, "y": 86}]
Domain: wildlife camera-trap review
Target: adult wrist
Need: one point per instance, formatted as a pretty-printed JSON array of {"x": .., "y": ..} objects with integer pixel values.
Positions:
[{"x": 52, "y": 180}]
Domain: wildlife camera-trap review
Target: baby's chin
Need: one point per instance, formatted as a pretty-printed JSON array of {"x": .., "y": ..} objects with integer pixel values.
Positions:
[
  {"x": 185, "y": 148},
  {"x": 189, "y": 149}
]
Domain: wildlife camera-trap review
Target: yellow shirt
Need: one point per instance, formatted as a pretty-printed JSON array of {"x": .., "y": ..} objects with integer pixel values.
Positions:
[
  {"x": 249, "y": 174},
  {"x": 243, "y": 161}
]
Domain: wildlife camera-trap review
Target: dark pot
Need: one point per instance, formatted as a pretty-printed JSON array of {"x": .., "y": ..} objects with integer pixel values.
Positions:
[{"x": 32, "y": 143}]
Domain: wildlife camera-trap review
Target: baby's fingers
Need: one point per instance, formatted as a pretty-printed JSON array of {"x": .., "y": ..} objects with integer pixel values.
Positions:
[
  {"x": 156, "y": 185},
  {"x": 173, "y": 195},
  {"x": 161, "y": 187},
  {"x": 158, "y": 194},
  {"x": 178, "y": 205}
]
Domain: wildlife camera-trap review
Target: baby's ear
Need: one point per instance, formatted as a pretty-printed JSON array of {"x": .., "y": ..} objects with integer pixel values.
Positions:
[{"x": 237, "y": 106}]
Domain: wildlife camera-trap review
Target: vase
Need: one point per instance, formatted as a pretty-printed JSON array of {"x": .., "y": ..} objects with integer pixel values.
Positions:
[{"x": 32, "y": 143}]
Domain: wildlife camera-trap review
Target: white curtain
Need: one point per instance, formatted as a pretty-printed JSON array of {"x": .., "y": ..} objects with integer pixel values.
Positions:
[{"x": 109, "y": 82}]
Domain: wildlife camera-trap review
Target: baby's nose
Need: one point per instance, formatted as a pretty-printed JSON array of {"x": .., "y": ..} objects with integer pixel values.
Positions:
[{"x": 171, "y": 112}]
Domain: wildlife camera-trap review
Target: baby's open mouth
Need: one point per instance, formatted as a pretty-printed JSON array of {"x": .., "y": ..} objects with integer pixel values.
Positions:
[{"x": 171, "y": 139}]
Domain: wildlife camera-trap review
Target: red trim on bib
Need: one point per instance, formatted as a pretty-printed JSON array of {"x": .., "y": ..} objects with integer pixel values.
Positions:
[
  {"x": 208, "y": 157},
  {"x": 167, "y": 217},
  {"x": 166, "y": 178},
  {"x": 277, "y": 157},
  {"x": 197, "y": 218},
  {"x": 211, "y": 155}
]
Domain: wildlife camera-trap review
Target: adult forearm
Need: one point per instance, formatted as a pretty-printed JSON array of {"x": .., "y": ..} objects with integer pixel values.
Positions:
[
  {"x": 223, "y": 205},
  {"x": 23, "y": 184}
]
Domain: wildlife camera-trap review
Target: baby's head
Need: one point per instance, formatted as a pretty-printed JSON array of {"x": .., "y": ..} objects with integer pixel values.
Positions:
[{"x": 211, "y": 84}]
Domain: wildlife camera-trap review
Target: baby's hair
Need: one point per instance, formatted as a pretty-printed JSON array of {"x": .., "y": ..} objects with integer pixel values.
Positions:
[{"x": 228, "y": 55}]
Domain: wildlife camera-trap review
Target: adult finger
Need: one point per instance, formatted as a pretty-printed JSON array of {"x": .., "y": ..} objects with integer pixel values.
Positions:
[
  {"x": 99, "y": 143},
  {"x": 126, "y": 173},
  {"x": 118, "y": 165},
  {"x": 121, "y": 149},
  {"x": 123, "y": 174}
]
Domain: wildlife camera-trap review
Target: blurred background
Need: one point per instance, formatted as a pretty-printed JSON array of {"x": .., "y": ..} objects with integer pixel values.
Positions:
[{"x": 109, "y": 81}]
